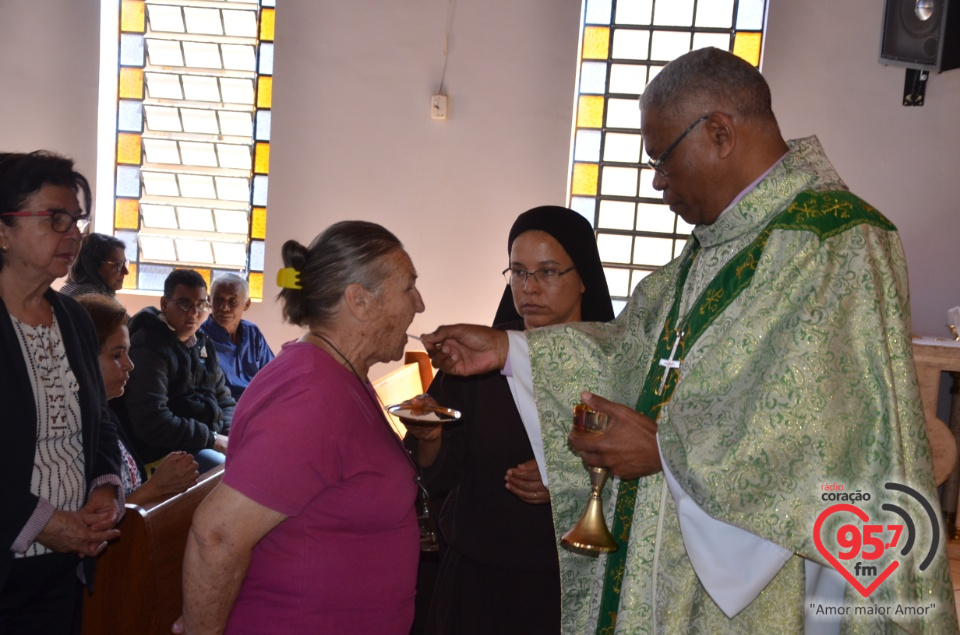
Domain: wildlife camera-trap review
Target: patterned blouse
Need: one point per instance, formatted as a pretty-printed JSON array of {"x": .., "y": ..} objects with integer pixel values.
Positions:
[{"x": 58, "y": 463}]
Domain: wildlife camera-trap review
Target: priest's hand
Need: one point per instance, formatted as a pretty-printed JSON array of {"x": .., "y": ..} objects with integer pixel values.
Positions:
[
  {"x": 628, "y": 447},
  {"x": 467, "y": 349}
]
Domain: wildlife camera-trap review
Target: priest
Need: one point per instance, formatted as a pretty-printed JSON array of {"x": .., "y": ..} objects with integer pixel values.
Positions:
[{"x": 771, "y": 358}]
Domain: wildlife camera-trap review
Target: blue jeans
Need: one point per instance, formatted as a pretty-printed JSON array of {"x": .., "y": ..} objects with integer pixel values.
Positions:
[{"x": 208, "y": 459}]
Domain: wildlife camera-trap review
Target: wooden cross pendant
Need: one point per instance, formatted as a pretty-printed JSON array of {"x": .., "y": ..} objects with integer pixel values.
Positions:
[{"x": 671, "y": 363}]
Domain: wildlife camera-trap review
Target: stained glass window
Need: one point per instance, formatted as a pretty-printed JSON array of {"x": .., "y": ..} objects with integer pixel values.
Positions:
[
  {"x": 624, "y": 43},
  {"x": 191, "y": 149}
]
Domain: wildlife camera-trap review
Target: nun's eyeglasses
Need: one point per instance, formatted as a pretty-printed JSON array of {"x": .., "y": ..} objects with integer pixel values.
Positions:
[{"x": 545, "y": 277}]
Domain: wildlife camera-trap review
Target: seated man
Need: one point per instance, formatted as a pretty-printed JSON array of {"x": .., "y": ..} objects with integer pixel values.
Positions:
[
  {"x": 177, "y": 397},
  {"x": 240, "y": 345}
]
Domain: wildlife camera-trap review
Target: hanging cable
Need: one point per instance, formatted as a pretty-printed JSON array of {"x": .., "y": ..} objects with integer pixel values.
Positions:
[{"x": 446, "y": 42}]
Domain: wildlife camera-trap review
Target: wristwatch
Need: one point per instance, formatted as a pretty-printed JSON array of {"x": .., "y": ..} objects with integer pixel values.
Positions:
[{"x": 213, "y": 439}]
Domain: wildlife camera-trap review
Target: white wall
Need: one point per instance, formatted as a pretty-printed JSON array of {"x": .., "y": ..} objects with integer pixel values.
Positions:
[
  {"x": 352, "y": 135},
  {"x": 821, "y": 63},
  {"x": 49, "y": 57}
]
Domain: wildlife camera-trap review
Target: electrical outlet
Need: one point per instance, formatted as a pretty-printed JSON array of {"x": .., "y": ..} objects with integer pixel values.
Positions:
[{"x": 438, "y": 107}]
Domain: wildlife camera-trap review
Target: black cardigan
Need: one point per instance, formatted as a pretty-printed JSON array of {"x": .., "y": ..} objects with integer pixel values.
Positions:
[{"x": 101, "y": 452}]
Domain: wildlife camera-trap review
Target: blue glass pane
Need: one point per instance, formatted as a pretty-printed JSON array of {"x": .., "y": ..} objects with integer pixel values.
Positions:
[
  {"x": 130, "y": 244},
  {"x": 131, "y": 50},
  {"x": 268, "y": 3},
  {"x": 584, "y": 206},
  {"x": 587, "y": 146},
  {"x": 618, "y": 306},
  {"x": 260, "y": 190},
  {"x": 256, "y": 255},
  {"x": 152, "y": 277},
  {"x": 128, "y": 181},
  {"x": 598, "y": 11},
  {"x": 263, "y": 125},
  {"x": 130, "y": 116},
  {"x": 266, "y": 59},
  {"x": 593, "y": 78},
  {"x": 750, "y": 15}
]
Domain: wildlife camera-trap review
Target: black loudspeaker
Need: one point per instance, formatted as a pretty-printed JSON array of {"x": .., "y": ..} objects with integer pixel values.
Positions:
[{"x": 921, "y": 34}]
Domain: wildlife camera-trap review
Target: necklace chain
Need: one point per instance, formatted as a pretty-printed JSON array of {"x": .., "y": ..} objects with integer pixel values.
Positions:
[{"x": 380, "y": 408}]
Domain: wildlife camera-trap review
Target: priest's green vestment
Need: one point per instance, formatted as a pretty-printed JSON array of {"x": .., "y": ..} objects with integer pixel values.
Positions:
[{"x": 802, "y": 376}]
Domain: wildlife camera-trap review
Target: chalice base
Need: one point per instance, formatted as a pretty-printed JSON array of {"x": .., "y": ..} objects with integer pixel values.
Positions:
[{"x": 590, "y": 533}]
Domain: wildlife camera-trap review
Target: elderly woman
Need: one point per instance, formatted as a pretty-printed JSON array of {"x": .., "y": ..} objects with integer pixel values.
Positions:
[
  {"x": 499, "y": 573},
  {"x": 59, "y": 460},
  {"x": 313, "y": 528},
  {"x": 175, "y": 472},
  {"x": 100, "y": 268}
]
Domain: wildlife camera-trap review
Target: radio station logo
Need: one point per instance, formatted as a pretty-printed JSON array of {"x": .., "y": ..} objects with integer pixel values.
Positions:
[{"x": 857, "y": 548}]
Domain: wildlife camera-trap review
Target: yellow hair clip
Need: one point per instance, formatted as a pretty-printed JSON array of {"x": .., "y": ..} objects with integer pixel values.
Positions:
[{"x": 289, "y": 278}]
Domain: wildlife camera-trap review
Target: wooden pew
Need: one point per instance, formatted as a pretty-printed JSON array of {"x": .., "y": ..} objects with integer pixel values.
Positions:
[{"x": 138, "y": 587}]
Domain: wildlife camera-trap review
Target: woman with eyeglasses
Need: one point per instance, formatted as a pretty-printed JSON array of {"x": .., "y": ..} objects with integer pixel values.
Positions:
[
  {"x": 100, "y": 268},
  {"x": 59, "y": 460},
  {"x": 499, "y": 572}
]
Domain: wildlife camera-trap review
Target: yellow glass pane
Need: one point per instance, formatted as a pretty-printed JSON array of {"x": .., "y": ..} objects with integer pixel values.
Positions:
[
  {"x": 585, "y": 179},
  {"x": 256, "y": 286},
  {"x": 129, "y": 148},
  {"x": 206, "y": 274},
  {"x": 596, "y": 42},
  {"x": 264, "y": 91},
  {"x": 266, "y": 25},
  {"x": 746, "y": 45},
  {"x": 131, "y": 83},
  {"x": 130, "y": 281},
  {"x": 127, "y": 214},
  {"x": 132, "y": 18},
  {"x": 258, "y": 223},
  {"x": 261, "y": 164},
  {"x": 590, "y": 111}
]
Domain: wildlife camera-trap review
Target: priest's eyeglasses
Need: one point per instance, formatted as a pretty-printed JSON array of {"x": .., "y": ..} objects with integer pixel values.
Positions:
[
  {"x": 546, "y": 277},
  {"x": 60, "y": 220},
  {"x": 657, "y": 164}
]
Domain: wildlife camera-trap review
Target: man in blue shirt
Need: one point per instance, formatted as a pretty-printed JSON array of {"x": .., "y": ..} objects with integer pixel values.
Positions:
[{"x": 241, "y": 347}]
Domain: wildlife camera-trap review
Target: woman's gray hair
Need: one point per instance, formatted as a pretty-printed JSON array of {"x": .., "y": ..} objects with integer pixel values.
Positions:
[
  {"x": 707, "y": 80},
  {"x": 348, "y": 252}
]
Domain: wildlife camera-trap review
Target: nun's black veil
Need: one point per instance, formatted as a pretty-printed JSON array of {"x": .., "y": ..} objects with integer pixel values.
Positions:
[{"x": 576, "y": 236}]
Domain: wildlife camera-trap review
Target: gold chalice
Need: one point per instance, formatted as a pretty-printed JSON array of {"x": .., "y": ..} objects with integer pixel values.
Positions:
[{"x": 590, "y": 533}]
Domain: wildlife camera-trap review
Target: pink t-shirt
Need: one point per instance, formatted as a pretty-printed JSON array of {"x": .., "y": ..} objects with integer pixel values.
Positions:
[{"x": 307, "y": 441}]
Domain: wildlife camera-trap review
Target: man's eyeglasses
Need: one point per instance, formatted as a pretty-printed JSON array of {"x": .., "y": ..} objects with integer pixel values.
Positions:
[
  {"x": 60, "y": 220},
  {"x": 658, "y": 164},
  {"x": 546, "y": 277},
  {"x": 187, "y": 306},
  {"x": 116, "y": 265}
]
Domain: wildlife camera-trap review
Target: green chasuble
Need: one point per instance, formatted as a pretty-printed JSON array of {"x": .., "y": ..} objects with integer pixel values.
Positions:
[{"x": 803, "y": 377}]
